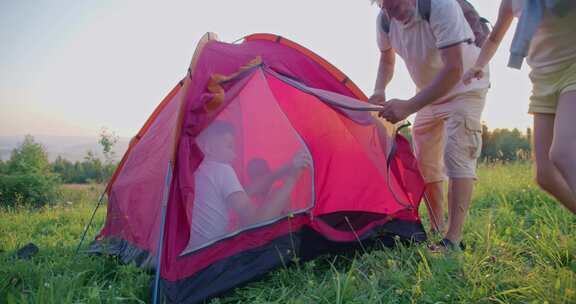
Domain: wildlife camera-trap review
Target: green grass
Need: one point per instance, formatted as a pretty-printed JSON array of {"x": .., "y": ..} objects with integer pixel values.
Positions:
[{"x": 522, "y": 249}]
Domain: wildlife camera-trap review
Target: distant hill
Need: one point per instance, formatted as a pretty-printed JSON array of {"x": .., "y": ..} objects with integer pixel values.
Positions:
[{"x": 72, "y": 148}]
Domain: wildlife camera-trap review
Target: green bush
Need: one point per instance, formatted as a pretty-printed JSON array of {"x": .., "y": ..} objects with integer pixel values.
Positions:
[
  {"x": 25, "y": 179},
  {"x": 29, "y": 189}
]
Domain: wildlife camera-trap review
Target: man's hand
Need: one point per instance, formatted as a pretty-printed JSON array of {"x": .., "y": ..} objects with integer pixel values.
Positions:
[
  {"x": 377, "y": 99},
  {"x": 397, "y": 110}
]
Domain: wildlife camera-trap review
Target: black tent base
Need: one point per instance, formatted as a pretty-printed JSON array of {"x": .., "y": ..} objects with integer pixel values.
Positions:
[{"x": 250, "y": 265}]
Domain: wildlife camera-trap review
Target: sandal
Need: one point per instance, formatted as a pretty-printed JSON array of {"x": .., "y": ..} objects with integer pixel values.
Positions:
[
  {"x": 445, "y": 245},
  {"x": 448, "y": 244}
]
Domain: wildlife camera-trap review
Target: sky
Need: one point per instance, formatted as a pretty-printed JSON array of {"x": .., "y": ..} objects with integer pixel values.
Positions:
[{"x": 70, "y": 68}]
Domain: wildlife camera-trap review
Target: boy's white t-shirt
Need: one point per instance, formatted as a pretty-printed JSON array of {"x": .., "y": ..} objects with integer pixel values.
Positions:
[
  {"x": 214, "y": 182},
  {"x": 419, "y": 43}
]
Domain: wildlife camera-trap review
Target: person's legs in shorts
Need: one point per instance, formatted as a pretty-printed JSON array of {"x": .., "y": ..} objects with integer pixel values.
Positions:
[
  {"x": 428, "y": 135},
  {"x": 563, "y": 150},
  {"x": 553, "y": 103},
  {"x": 548, "y": 177},
  {"x": 463, "y": 147}
]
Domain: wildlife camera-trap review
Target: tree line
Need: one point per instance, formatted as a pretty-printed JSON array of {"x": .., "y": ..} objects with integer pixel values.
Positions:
[
  {"x": 29, "y": 178},
  {"x": 504, "y": 145},
  {"x": 499, "y": 145}
]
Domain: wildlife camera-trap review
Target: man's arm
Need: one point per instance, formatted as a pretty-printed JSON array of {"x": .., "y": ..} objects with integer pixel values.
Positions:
[
  {"x": 447, "y": 79},
  {"x": 384, "y": 76},
  {"x": 397, "y": 110}
]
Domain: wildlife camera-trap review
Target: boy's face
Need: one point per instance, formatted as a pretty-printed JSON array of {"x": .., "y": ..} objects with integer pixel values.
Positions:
[
  {"x": 401, "y": 10},
  {"x": 221, "y": 148}
]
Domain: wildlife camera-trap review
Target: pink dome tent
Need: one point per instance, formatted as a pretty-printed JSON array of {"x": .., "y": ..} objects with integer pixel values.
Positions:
[{"x": 281, "y": 100}]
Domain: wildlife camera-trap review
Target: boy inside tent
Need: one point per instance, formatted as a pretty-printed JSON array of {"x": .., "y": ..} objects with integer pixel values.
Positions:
[{"x": 218, "y": 192}]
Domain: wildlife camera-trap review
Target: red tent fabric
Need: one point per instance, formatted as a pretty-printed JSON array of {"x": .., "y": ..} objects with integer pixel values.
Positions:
[{"x": 281, "y": 101}]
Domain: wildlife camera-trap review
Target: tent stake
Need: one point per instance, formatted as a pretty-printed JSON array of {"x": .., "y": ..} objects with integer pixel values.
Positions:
[{"x": 161, "y": 236}]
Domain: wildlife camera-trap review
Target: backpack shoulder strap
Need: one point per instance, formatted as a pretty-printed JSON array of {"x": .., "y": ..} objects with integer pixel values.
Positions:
[
  {"x": 425, "y": 9},
  {"x": 384, "y": 21}
]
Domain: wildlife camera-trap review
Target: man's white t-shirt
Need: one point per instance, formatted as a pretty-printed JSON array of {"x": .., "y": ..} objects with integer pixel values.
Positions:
[
  {"x": 214, "y": 182},
  {"x": 419, "y": 43}
]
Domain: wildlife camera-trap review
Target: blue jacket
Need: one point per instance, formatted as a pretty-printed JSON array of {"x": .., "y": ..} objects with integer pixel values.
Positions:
[{"x": 529, "y": 21}]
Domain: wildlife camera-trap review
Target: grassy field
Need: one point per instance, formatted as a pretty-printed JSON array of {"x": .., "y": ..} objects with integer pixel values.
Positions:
[{"x": 522, "y": 249}]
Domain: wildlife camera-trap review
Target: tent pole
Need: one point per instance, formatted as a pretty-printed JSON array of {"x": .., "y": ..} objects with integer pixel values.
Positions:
[
  {"x": 167, "y": 184},
  {"x": 90, "y": 222},
  {"x": 433, "y": 218},
  {"x": 185, "y": 88}
]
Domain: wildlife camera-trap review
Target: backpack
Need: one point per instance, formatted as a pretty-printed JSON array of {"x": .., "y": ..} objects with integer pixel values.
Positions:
[{"x": 478, "y": 24}]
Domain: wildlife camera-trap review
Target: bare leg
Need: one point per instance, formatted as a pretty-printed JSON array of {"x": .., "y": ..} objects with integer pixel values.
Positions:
[
  {"x": 563, "y": 149},
  {"x": 435, "y": 197},
  {"x": 547, "y": 174},
  {"x": 459, "y": 196}
]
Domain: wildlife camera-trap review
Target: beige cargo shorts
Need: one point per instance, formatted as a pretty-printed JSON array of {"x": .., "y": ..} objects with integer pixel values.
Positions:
[{"x": 448, "y": 137}]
